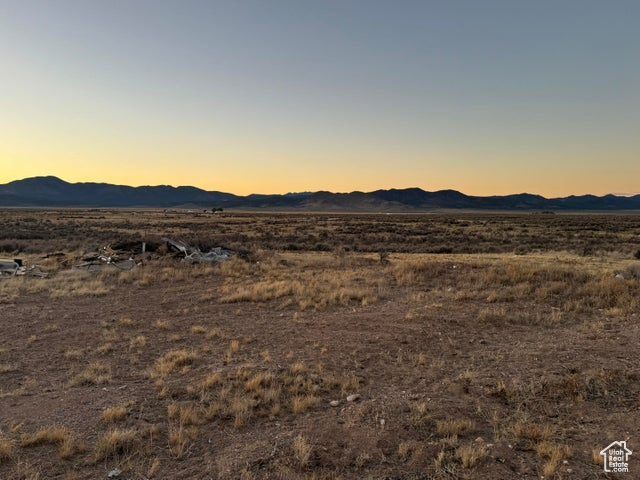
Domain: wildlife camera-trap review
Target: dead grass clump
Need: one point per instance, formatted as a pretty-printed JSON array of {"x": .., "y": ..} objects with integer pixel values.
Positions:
[
  {"x": 114, "y": 414},
  {"x": 95, "y": 373},
  {"x": 53, "y": 435},
  {"x": 404, "y": 450},
  {"x": 125, "y": 321},
  {"x": 188, "y": 415},
  {"x": 554, "y": 454},
  {"x": 153, "y": 468},
  {"x": 162, "y": 325},
  {"x": 74, "y": 353},
  {"x": 302, "y": 450},
  {"x": 214, "y": 332},
  {"x": 180, "y": 439},
  {"x": 529, "y": 434},
  {"x": 105, "y": 348},
  {"x": 471, "y": 454},
  {"x": 421, "y": 415},
  {"x": 7, "y": 448},
  {"x": 495, "y": 316},
  {"x": 259, "y": 381},
  {"x": 114, "y": 442},
  {"x": 199, "y": 329},
  {"x": 205, "y": 386},
  {"x": 600, "y": 385},
  {"x": 137, "y": 342},
  {"x": 596, "y": 457},
  {"x": 174, "y": 360},
  {"x": 302, "y": 403},
  {"x": 241, "y": 408},
  {"x": 456, "y": 426}
]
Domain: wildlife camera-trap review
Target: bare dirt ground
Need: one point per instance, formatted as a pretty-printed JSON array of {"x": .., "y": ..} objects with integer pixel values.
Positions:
[{"x": 513, "y": 360}]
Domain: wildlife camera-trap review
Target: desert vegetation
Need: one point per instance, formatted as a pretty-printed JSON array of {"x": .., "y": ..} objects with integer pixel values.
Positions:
[{"x": 332, "y": 347}]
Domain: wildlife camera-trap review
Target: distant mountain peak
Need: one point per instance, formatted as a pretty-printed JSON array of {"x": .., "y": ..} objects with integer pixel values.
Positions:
[{"x": 49, "y": 190}]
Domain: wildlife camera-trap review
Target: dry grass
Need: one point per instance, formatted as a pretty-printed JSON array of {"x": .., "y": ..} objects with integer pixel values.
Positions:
[
  {"x": 153, "y": 468},
  {"x": 456, "y": 426},
  {"x": 114, "y": 414},
  {"x": 302, "y": 450},
  {"x": 180, "y": 438},
  {"x": 96, "y": 373},
  {"x": 470, "y": 455},
  {"x": 249, "y": 382},
  {"x": 75, "y": 283},
  {"x": 199, "y": 329},
  {"x": 115, "y": 442},
  {"x": 596, "y": 457},
  {"x": 302, "y": 403},
  {"x": 7, "y": 448},
  {"x": 308, "y": 285},
  {"x": 105, "y": 348},
  {"x": 554, "y": 454},
  {"x": 138, "y": 342},
  {"x": 174, "y": 360},
  {"x": 404, "y": 450},
  {"x": 74, "y": 353},
  {"x": 529, "y": 434},
  {"x": 52, "y": 435}
]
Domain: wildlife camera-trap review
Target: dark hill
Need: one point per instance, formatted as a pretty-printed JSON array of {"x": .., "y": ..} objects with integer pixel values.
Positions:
[{"x": 54, "y": 192}]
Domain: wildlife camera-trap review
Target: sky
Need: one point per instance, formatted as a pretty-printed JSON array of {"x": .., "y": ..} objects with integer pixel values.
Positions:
[{"x": 273, "y": 96}]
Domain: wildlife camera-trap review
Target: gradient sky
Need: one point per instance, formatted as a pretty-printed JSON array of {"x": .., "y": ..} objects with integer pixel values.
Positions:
[{"x": 486, "y": 97}]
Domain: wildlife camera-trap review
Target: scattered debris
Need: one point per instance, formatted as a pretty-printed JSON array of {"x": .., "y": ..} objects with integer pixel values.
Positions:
[
  {"x": 8, "y": 267},
  {"x": 106, "y": 256},
  {"x": 194, "y": 255},
  {"x": 123, "y": 256},
  {"x": 15, "y": 268}
]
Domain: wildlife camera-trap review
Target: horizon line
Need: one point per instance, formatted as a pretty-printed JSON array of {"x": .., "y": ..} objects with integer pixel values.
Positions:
[{"x": 617, "y": 194}]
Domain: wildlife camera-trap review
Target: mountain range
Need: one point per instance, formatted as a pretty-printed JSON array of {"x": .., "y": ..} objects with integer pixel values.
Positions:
[{"x": 51, "y": 191}]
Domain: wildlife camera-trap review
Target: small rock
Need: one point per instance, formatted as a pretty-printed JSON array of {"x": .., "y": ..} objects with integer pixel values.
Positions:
[
  {"x": 569, "y": 470},
  {"x": 334, "y": 403},
  {"x": 114, "y": 473},
  {"x": 479, "y": 440},
  {"x": 565, "y": 462},
  {"x": 353, "y": 397},
  {"x": 382, "y": 422},
  {"x": 620, "y": 276}
]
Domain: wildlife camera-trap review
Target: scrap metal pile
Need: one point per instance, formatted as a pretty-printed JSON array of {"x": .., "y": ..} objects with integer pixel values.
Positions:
[
  {"x": 106, "y": 256},
  {"x": 126, "y": 256},
  {"x": 194, "y": 255},
  {"x": 123, "y": 256},
  {"x": 15, "y": 268}
]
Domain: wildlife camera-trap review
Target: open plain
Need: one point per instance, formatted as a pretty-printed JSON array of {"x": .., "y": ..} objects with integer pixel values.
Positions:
[{"x": 333, "y": 346}]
